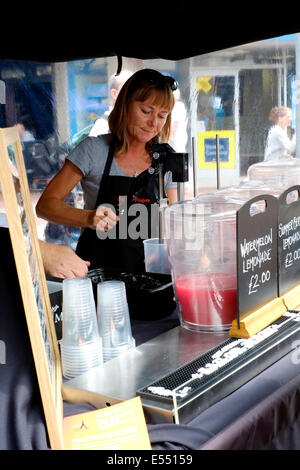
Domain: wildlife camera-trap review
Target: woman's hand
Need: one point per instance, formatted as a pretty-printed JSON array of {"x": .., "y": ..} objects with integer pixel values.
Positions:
[{"x": 104, "y": 219}]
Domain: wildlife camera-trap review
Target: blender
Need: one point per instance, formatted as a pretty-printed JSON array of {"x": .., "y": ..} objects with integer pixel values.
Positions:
[
  {"x": 277, "y": 174},
  {"x": 201, "y": 239}
]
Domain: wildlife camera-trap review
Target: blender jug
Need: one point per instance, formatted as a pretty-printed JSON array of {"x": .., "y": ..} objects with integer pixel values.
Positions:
[
  {"x": 201, "y": 239},
  {"x": 248, "y": 189},
  {"x": 278, "y": 174}
]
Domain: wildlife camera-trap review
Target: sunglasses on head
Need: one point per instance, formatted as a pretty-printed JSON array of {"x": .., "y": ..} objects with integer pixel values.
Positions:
[
  {"x": 156, "y": 77},
  {"x": 172, "y": 82}
]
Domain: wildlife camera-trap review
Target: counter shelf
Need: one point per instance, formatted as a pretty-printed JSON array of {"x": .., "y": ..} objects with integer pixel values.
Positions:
[{"x": 170, "y": 359}]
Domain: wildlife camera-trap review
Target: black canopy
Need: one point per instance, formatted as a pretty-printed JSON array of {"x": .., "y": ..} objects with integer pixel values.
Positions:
[{"x": 143, "y": 30}]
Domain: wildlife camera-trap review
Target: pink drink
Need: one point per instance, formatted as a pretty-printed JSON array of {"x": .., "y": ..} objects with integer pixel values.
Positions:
[{"x": 207, "y": 300}]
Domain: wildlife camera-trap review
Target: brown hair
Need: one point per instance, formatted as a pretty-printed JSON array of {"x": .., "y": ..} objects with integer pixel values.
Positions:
[{"x": 139, "y": 87}]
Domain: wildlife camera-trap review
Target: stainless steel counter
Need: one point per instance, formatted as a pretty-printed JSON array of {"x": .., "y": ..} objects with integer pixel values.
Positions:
[
  {"x": 170, "y": 355},
  {"x": 120, "y": 378}
]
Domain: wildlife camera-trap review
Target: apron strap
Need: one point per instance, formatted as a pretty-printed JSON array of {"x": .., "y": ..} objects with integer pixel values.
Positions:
[
  {"x": 107, "y": 168},
  {"x": 143, "y": 180}
]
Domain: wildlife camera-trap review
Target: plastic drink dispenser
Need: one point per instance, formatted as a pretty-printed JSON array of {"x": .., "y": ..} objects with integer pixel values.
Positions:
[
  {"x": 201, "y": 238},
  {"x": 280, "y": 174},
  {"x": 249, "y": 189}
]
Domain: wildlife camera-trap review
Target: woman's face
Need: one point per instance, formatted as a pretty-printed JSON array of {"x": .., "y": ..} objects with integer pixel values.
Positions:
[
  {"x": 145, "y": 120},
  {"x": 285, "y": 121},
  {"x": 288, "y": 118}
]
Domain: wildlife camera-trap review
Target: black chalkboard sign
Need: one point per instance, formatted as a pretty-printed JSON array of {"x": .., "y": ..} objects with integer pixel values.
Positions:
[
  {"x": 289, "y": 239},
  {"x": 256, "y": 253}
]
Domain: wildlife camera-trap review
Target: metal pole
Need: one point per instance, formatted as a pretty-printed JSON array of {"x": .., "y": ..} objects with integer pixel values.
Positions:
[
  {"x": 180, "y": 191},
  {"x": 161, "y": 202},
  {"x": 218, "y": 160},
  {"x": 195, "y": 167},
  {"x": 297, "y": 95}
]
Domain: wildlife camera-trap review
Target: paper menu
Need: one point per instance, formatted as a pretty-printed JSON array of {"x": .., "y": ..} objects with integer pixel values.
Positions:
[{"x": 118, "y": 427}]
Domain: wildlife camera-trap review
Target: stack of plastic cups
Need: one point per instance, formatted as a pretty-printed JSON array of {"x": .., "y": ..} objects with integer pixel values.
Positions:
[
  {"x": 113, "y": 319},
  {"x": 81, "y": 345}
]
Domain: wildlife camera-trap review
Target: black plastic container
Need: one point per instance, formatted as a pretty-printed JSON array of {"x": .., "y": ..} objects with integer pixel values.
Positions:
[{"x": 150, "y": 296}]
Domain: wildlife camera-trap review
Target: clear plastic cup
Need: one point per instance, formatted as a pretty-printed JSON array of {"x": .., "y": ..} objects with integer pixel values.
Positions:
[
  {"x": 79, "y": 312},
  {"x": 156, "y": 256},
  {"x": 81, "y": 345},
  {"x": 76, "y": 360},
  {"x": 113, "y": 319}
]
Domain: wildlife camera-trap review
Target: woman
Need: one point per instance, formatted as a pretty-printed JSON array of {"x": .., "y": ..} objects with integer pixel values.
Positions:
[
  {"x": 113, "y": 172},
  {"x": 279, "y": 145}
]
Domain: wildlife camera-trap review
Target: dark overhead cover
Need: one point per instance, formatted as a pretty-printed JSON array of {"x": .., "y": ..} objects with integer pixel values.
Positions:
[{"x": 144, "y": 30}]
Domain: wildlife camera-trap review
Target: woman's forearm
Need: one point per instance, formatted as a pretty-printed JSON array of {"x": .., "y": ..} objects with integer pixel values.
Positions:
[{"x": 58, "y": 212}]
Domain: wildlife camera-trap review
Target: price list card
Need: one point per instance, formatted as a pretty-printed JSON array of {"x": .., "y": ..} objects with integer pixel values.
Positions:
[
  {"x": 256, "y": 253},
  {"x": 289, "y": 239}
]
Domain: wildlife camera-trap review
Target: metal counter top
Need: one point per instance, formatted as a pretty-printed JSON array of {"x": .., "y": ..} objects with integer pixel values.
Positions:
[
  {"x": 120, "y": 378},
  {"x": 170, "y": 355}
]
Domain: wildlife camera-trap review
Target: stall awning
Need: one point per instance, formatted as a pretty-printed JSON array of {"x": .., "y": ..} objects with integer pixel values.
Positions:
[{"x": 166, "y": 30}]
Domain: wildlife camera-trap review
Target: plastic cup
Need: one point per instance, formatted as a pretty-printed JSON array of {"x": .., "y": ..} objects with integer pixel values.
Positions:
[
  {"x": 79, "y": 312},
  {"x": 81, "y": 345},
  {"x": 156, "y": 256},
  {"x": 77, "y": 360},
  {"x": 113, "y": 319}
]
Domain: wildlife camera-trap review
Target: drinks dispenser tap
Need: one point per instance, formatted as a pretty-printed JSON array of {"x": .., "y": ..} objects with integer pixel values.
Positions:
[{"x": 164, "y": 158}]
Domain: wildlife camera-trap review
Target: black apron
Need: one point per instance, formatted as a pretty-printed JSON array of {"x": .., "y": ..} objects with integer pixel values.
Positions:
[{"x": 119, "y": 251}]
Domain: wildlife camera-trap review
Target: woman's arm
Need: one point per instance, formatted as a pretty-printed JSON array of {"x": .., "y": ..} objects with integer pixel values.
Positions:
[
  {"x": 172, "y": 195},
  {"x": 52, "y": 207},
  {"x": 286, "y": 143}
]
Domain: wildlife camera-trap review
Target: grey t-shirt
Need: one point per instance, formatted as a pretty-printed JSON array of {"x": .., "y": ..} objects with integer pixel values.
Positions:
[{"x": 90, "y": 157}]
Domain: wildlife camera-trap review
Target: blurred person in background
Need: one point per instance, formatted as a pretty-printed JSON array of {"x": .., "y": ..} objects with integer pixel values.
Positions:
[
  {"x": 24, "y": 132},
  {"x": 279, "y": 145},
  {"x": 100, "y": 126},
  {"x": 115, "y": 84},
  {"x": 178, "y": 136}
]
